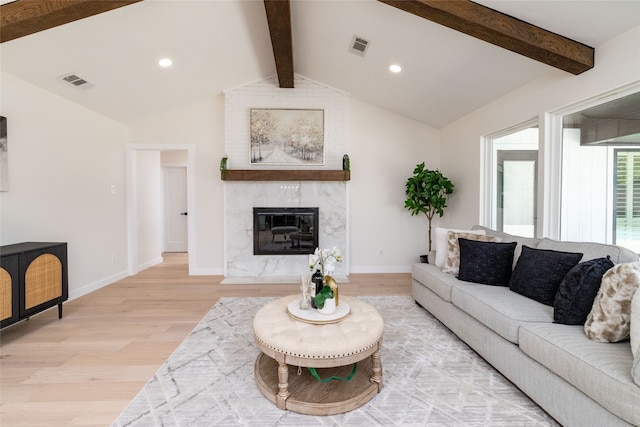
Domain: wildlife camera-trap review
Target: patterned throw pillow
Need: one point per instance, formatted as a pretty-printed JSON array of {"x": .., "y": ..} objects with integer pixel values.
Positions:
[
  {"x": 538, "y": 273},
  {"x": 441, "y": 244},
  {"x": 486, "y": 262},
  {"x": 635, "y": 335},
  {"x": 452, "y": 264},
  {"x": 610, "y": 315},
  {"x": 577, "y": 291}
]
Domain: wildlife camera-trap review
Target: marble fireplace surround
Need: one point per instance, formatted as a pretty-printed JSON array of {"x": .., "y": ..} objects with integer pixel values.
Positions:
[{"x": 241, "y": 266}]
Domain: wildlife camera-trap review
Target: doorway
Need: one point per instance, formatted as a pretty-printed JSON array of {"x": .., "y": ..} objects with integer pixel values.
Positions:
[
  {"x": 175, "y": 208},
  {"x": 137, "y": 200}
]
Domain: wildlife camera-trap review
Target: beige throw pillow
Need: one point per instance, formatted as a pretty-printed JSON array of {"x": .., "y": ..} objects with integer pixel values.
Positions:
[
  {"x": 452, "y": 264},
  {"x": 610, "y": 314},
  {"x": 635, "y": 336},
  {"x": 441, "y": 242}
]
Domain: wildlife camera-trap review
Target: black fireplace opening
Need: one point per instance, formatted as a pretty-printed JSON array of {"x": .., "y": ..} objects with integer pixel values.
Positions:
[{"x": 285, "y": 231}]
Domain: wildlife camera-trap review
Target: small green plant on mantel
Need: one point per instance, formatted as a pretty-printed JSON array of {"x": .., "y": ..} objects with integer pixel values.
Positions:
[{"x": 427, "y": 192}]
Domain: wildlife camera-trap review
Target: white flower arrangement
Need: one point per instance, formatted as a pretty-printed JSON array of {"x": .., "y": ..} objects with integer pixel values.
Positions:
[{"x": 325, "y": 259}]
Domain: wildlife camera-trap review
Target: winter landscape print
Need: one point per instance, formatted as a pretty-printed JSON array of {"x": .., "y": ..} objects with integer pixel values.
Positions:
[{"x": 287, "y": 137}]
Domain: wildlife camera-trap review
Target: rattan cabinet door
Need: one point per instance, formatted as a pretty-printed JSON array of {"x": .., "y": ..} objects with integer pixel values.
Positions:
[
  {"x": 9, "y": 290},
  {"x": 43, "y": 274}
]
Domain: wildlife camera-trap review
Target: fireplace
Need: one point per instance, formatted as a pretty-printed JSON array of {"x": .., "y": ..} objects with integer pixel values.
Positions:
[{"x": 285, "y": 231}]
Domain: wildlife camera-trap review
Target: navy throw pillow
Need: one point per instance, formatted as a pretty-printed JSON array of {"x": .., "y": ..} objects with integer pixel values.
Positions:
[
  {"x": 486, "y": 262},
  {"x": 577, "y": 291},
  {"x": 538, "y": 273}
]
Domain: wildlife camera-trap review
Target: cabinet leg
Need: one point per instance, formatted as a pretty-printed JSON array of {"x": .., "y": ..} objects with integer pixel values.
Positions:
[{"x": 60, "y": 311}]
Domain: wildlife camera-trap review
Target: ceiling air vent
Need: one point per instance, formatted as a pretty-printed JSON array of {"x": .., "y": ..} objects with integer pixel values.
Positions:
[
  {"x": 76, "y": 81},
  {"x": 359, "y": 45}
]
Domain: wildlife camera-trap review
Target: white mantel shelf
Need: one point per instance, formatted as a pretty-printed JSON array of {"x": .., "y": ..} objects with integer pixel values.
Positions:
[{"x": 285, "y": 175}]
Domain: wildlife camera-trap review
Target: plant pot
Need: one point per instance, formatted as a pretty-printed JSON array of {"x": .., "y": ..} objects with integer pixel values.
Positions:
[
  {"x": 424, "y": 259},
  {"x": 329, "y": 306}
]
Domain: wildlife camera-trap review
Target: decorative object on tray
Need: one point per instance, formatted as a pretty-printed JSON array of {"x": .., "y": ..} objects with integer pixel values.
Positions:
[
  {"x": 305, "y": 288},
  {"x": 323, "y": 261},
  {"x": 315, "y": 316},
  {"x": 325, "y": 300}
]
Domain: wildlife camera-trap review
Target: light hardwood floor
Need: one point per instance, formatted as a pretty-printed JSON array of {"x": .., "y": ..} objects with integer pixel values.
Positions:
[{"x": 83, "y": 369}]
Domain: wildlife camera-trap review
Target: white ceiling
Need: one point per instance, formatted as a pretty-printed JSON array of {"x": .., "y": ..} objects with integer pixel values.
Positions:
[{"x": 217, "y": 45}]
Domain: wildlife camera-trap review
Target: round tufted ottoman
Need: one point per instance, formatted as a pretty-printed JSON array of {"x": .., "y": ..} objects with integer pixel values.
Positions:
[{"x": 349, "y": 348}]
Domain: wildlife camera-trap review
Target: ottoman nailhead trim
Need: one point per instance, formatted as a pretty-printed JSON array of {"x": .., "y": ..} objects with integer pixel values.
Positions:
[{"x": 306, "y": 356}]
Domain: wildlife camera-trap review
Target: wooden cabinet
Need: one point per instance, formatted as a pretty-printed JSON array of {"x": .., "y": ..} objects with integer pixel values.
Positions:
[{"x": 33, "y": 278}]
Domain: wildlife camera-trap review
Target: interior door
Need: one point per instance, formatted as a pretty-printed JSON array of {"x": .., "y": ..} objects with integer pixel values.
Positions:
[{"x": 175, "y": 205}]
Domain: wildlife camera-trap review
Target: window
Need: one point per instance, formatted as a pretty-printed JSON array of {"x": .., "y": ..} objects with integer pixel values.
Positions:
[
  {"x": 627, "y": 199},
  {"x": 600, "y": 178},
  {"x": 511, "y": 184}
]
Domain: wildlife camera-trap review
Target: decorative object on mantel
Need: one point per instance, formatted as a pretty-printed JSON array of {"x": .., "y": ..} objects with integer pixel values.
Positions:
[
  {"x": 287, "y": 136},
  {"x": 427, "y": 192},
  {"x": 4, "y": 155},
  {"x": 223, "y": 167},
  {"x": 346, "y": 163},
  {"x": 285, "y": 175}
]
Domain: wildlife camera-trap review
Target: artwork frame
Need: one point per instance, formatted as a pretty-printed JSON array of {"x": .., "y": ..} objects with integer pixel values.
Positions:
[
  {"x": 286, "y": 136},
  {"x": 4, "y": 155}
]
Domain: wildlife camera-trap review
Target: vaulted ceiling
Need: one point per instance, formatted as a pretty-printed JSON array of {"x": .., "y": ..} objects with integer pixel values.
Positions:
[{"x": 217, "y": 45}]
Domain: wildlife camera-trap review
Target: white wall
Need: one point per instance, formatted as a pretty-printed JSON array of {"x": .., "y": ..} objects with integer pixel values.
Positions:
[
  {"x": 200, "y": 124},
  {"x": 149, "y": 209},
  {"x": 63, "y": 160},
  {"x": 617, "y": 63},
  {"x": 384, "y": 150}
]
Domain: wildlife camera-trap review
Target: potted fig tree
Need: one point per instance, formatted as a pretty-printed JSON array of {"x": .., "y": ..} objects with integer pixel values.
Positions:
[{"x": 427, "y": 192}]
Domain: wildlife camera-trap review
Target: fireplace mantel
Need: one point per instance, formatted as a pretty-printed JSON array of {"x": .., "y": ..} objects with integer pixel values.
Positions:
[{"x": 285, "y": 175}]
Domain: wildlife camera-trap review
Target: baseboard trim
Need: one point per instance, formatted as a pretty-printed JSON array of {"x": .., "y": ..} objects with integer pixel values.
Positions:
[
  {"x": 381, "y": 269},
  {"x": 97, "y": 285},
  {"x": 150, "y": 263}
]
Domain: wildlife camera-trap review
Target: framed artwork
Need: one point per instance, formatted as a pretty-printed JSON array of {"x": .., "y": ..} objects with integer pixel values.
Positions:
[
  {"x": 4, "y": 156},
  {"x": 287, "y": 137}
]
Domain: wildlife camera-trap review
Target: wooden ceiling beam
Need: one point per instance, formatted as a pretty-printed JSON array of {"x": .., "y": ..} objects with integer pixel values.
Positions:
[
  {"x": 279, "y": 19},
  {"x": 503, "y": 30},
  {"x": 24, "y": 17}
]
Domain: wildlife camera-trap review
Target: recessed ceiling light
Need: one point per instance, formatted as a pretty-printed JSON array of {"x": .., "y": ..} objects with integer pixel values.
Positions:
[
  {"x": 395, "y": 68},
  {"x": 165, "y": 62}
]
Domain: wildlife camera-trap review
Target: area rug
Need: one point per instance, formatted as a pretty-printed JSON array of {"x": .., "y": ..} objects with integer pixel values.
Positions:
[{"x": 430, "y": 378}]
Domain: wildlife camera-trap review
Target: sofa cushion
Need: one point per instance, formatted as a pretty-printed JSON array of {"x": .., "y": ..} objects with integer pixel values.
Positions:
[
  {"x": 538, "y": 273},
  {"x": 434, "y": 279},
  {"x": 532, "y": 242},
  {"x": 452, "y": 264},
  {"x": 634, "y": 336},
  {"x": 577, "y": 291},
  {"x": 601, "y": 371},
  {"x": 485, "y": 262},
  {"x": 441, "y": 242},
  {"x": 591, "y": 250},
  {"x": 610, "y": 315},
  {"x": 498, "y": 308}
]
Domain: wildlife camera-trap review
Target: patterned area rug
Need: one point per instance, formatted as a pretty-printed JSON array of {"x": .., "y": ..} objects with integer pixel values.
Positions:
[{"x": 430, "y": 378}]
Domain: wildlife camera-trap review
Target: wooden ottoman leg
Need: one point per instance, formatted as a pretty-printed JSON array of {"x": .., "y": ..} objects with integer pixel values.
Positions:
[
  {"x": 376, "y": 371},
  {"x": 283, "y": 382}
]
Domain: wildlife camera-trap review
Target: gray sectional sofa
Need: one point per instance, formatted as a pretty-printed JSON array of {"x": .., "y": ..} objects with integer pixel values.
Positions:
[{"x": 577, "y": 381}]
